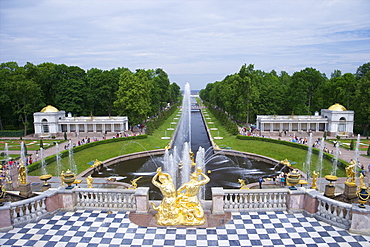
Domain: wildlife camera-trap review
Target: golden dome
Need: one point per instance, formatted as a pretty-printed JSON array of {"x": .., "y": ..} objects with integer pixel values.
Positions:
[
  {"x": 49, "y": 108},
  {"x": 337, "y": 107}
]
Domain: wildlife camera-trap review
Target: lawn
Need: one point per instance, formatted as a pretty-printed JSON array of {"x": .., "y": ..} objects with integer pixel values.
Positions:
[
  {"x": 273, "y": 150},
  {"x": 109, "y": 150},
  {"x": 364, "y": 143}
]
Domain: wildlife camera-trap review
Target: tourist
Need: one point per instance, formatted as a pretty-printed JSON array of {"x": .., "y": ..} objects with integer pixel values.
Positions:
[
  {"x": 368, "y": 167},
  {"x": 260, "y": 180},
  {"x": 282, "y": 181}
]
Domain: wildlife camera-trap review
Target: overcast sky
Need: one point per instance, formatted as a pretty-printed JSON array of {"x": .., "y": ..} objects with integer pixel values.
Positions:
[{"x": 198, "y": 41}]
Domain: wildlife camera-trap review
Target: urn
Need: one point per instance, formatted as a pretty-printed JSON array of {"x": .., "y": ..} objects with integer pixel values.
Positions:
[
  {"x": 68, "y": 178},
  {"x": 293, "y": 179}
]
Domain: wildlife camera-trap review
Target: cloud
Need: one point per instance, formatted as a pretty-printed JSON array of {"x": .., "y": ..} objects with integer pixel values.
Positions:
[{"x": 195, "y": 41}]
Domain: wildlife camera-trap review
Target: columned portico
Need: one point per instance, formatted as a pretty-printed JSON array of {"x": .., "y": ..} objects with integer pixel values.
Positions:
[
  {"x": 336, "y": 121},
  {"x": 50, "y": 121}
]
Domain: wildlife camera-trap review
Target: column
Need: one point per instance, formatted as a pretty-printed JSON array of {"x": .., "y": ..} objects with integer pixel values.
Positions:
[
  {"x": 317, "y": 127},
  {"x": 112, "y": 127},
  {"x": 290, "y": 127},
  {"x": 308, "y": 126},
  {"x": 281, "y": 127},
  {"x": 94, "y": 128},
  {"x": 271, "y": 126},
  {"x": 103, "y": 128},
  {"x": 262, "y": 127},
  {"x": 68, "y": 128},
  {"x": 299, "y": 126}
]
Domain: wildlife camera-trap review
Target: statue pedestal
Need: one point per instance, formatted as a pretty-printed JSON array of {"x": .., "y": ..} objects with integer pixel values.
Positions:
[
  {"x": 25, "y": 190},
  {"x": 46, "y": 187},
  {"x": 329, "y": 190},
  {"x": 350, "y": 190}
]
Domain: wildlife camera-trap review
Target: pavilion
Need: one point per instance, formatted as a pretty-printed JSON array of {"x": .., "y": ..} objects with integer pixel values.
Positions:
[
  {"x": 336, "y": 120},
  {"x": 51, "y": 122}
]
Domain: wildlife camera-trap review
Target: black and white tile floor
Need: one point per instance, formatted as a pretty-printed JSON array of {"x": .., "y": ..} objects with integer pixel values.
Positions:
[{"x": 97, "y": 228}]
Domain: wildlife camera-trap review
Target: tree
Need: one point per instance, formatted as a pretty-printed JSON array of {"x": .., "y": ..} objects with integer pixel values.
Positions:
[
  {"x": 133, "y": 96},
  {"x": 362, "y": 70},
  {"x": 362, "y": 103},
  {"x": 305, "y": 85}
]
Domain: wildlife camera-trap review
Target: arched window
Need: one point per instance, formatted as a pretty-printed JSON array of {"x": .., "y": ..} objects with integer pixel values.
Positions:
[
  {"x": 45, "y": 126},
  {"x": 342, "y": 125}
]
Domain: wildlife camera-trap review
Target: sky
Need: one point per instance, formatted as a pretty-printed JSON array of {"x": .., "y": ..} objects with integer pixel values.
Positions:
[{"x": 198, "y": 41}]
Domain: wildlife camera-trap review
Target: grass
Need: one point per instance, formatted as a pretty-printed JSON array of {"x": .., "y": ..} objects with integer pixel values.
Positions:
[
  {"x": 110, "y": 150},
  {"x": 15, "y": 144},
  {"x": 273, "y": 150}
]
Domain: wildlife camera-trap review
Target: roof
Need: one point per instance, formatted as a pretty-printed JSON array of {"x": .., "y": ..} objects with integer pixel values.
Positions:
[
  {"x": 337, "y": 107},
  {"x": 49, "y": 108}
]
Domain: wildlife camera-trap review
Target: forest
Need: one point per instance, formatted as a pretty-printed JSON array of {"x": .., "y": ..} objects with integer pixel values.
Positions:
[
  {"x": 249, "y": 92},
  {"x": 95, "y": 92}
]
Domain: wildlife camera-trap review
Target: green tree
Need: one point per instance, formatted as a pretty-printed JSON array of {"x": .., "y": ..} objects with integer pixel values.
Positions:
[
  {"x": 362, "y": 103},
  {"x": 133, "y": 96}
]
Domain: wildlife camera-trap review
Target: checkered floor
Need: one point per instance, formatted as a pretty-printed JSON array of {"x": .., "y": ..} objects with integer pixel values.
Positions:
[{"x": 97, "y": 228}]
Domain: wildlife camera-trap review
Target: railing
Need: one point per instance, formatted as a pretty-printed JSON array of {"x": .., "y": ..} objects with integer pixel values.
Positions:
[
  {"x": 28, "y": 210},
  {"x": 255, "y": 200},
  {"x": 334, "y": 212},
  {"x": 117, "y": 199}
]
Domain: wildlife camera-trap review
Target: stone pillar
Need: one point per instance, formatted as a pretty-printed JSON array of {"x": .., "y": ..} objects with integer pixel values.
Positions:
[
  {"x": 310, "y": 201},
  {"x": 350, "y": 190},
  {"x": 68, "y": 128},
  {"x": 360, "y": 220},
  {"x": 317, "y": 127},
  {"x": 103, "y": 128},
  {"x": 299, "y": 127},
  {"x": 295, "y": 200},
  {"x": 142, "y": 200},
  {"x": 290, "y": 127},
  {"x": 25, "y": 189},
  {"x": 308, "y": 126},
  {"x": 281, "y": 128},
  {"x": 271, "y": 127},
  {"x": 86, "y": 130},
  {"x": 262, "y": 127},
  {"x": 77, "y": 128},
  {"x": 329, "y": 190},
  {"x": 94, "y": 128},
  {"x": 6, "y": 219},
  {"x": 217, "y": 200},
  {"x": 112, "y": 128},
  {"x": 67, "y": 198}
]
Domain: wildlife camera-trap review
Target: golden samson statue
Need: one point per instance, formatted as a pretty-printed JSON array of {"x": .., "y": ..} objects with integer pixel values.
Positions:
[{"x": 181, "y": 207}]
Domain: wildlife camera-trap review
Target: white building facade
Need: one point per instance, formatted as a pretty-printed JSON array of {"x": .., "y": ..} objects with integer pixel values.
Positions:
[
  {"x": 51, "y": 122},
  {"x": 335, "y": 120}
]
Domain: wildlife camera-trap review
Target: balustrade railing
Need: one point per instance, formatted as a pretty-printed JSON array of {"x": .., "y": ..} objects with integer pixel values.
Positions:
[
  {"x": 255, "y": 199},
  {"x": 28, "y": 210},
  {"x": 117, "y": 199},
  {"x": 334, "y": 212}
]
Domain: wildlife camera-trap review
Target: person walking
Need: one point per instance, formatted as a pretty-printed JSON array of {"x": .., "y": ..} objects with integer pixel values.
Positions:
[{"x": 260, "y": 180}]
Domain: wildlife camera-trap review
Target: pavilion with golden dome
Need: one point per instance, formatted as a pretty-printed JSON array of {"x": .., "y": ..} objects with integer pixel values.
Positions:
[
  {"x": 336, "y": 120},
  {"x": 52, "y": 122}
]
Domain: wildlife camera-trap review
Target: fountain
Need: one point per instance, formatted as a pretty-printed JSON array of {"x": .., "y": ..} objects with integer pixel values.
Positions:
[
  {"x": 307, "y": 165},
  {"x": 58, "y": 159},
  {"x": 320, "y": 160},
  {"x": 223, "y": 170},
  {"x": 72, "y": 163},
  {"x": 357, "y": 152}
]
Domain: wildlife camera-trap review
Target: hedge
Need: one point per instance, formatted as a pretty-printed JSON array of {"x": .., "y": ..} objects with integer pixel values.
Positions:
[
  {"x": 65, "y": 153},
  {"x": 330, "y": 157},
  {"x": 223, "y": 118},
  {"x": 155, "y": 123},
  {"x": 12, "y": 133}
]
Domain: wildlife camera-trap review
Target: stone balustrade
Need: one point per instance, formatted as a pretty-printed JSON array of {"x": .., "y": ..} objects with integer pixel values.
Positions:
[
  {"x": 117, "y": 199},
  {"x": 250, "y": 200},
  {"x": 307, "y": 201},
  {"x": 334, "y": 212}
]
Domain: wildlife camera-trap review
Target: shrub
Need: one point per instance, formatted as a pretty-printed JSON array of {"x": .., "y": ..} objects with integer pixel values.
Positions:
[{"x": 352, "y": 145}]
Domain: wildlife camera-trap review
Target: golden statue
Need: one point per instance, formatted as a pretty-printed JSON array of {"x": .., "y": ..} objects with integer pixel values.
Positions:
[
  {"x": 89, "y": 181},
  {"x": 189, "y": 204},
  {"x": 362, "y": 184},
  {"x": 22, "y": 175},
  {"x": 61, "y": 179},
  {"x": 192, "y": 158},
  {"x": 96, "y": 163},
  {"x": 286, "y": 162},
  {"x": 242, "y": 184},
  {"x": 314, "y": 180},
  {"x": 133, "y": 183},
  {"x": 350, "y": 171},
  {"x": 168, "y": 212}
]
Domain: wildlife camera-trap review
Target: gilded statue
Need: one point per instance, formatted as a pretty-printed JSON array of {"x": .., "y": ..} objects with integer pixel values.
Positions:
[
  {"x": 168, "y": 212},
  {"x": 286, "y": 162},
  {"x": 362, "y": 184},
  {"x": 314, "y": 180},
  {"x": 242, "y": 184},
  {"x": 89, "y": 181},
  {"x": 189, "y": 203},
  {"x": 22, "y": 174},
  {"x": 350, "y": 171},
  {"x": 96, "y": 163},
  {"x": 133, "y": 183}
]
